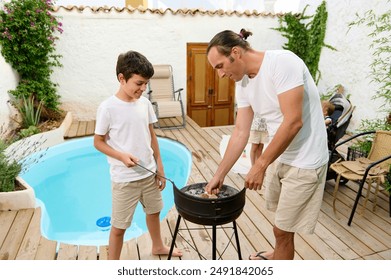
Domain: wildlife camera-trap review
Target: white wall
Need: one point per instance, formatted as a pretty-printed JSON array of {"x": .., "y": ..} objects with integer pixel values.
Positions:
[
  {"x": 349, "y": 65},
  {"x": 91, "y": 43},
  {"x": 8, "y": 81}
]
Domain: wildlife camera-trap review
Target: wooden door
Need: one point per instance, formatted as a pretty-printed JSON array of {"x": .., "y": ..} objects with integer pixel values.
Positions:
[{"x": 210, "y": 99}]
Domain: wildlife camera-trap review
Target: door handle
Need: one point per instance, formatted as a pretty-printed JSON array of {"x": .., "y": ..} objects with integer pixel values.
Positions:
[
  {"x": 210, "y": 107},
  {"x": 210, "y": 91}
]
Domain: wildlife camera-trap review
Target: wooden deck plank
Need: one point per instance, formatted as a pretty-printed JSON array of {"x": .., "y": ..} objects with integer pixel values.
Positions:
[
  {"x": 368, "y": 224},
  {"x": 6, "y": 218},
  {"x": 46, "y": 249},
  {"x": 354, "y": 244},
  {"x": 12, "y": 242},
  {"x": 144, "y": 243},
  {"x": 368, "y": 237},
  {"x": 130, "y": 250},
  {"x": 81, "y": 130},
  {"x": 72, "y": 130},
  {"x": 103, "y": 252},
  {"x": 67, "y": 252},
  {"x": 87, "y": 253},
  {"x": 90, "y": 129},
  {"x": 183, "y": 240},
  {"x": 30, "y": 243},
  {"x": 386, "y": 255},
  {"x": 348, "y": 194},
  {"x": 167, "y": 238}
]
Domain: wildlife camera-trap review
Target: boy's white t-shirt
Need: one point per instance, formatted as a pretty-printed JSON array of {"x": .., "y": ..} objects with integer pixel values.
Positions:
[
  {"x": 282, "y": 70},
  {"x": 127, "y": 126}
]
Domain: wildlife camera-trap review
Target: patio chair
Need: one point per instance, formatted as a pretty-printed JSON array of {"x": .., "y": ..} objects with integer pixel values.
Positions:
[
  {"x": 167, "y": 102},
  {"x": 370, "y": 170}
]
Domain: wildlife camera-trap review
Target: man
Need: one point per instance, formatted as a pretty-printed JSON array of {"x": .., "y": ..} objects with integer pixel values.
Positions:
[{"x": 278, "y": 86}]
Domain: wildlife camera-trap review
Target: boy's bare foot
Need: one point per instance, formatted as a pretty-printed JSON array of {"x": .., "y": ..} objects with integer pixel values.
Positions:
[{"x": 165, "y": 250}]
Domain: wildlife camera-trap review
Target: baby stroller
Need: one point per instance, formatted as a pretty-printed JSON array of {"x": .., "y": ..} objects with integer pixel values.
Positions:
[{"x": 336, "y": 130}]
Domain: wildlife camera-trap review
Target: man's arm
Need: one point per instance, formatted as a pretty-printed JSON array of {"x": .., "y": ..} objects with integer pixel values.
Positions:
[
  {"x": 236, "y": 144},
  {"x": 291, "y": 104}
]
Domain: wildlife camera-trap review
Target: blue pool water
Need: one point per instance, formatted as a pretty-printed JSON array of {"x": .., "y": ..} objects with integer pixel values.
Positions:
[{"x": 72, "y": 186}]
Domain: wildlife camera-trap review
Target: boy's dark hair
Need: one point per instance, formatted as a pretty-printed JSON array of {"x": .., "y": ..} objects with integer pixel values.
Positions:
[
  {"x": 131, "y": 63},
  {"x": 227, "y": 39}
]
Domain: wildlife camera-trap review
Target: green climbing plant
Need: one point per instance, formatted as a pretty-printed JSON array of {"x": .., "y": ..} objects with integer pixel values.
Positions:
[
  {"x": 380, "y": 69},
  {"x": 305, "y": 36},
  {"x": 379, "y": 26},
  {"x": 28, "y": 35}
]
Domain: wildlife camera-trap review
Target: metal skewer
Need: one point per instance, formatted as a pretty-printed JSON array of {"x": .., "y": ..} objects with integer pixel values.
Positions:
[{"x": 149, "y": 170}]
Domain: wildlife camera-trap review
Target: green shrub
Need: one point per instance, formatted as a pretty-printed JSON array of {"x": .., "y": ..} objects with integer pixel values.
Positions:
[
  {"x": 26, "y": 132},
  {"x": 9, "y": 170},
  {"x": 15, "y": 160}
]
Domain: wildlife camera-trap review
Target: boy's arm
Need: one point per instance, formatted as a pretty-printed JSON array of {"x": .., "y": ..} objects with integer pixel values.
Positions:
[
  {"x": 156, "y": 153},
  {"x": 101, "y": 145}
]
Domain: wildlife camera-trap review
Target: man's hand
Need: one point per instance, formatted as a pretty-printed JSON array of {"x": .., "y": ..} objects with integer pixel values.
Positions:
[
  {"x": 214, "y": 185},
  {"x": 254, "y": 178}
]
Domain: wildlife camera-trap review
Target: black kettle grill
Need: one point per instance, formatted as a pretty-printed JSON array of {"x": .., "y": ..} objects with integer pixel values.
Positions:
[
  {"x": 224, "y": 209},
  {"x": 190, "y": 205}
]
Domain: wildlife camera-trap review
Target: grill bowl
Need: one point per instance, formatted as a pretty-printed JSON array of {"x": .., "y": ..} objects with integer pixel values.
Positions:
[{"x": 209, "y": 211}]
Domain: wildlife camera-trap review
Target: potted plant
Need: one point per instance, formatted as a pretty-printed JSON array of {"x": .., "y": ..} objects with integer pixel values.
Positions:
[{"x": 15, "y": 193}]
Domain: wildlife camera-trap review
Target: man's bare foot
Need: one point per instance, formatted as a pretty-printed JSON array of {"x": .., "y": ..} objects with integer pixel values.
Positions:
[
  {"x": 165, "y": 250},
  {"x": 262, "y": 255}
]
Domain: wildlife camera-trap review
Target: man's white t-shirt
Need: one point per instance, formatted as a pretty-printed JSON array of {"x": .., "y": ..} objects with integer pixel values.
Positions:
[
  {"x": 282, "y": 70},
  {"x": 127, "y": 125}
]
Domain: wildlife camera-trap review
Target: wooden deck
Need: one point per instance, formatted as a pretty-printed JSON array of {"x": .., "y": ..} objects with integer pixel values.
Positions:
[{"x": 369, "y": 237}]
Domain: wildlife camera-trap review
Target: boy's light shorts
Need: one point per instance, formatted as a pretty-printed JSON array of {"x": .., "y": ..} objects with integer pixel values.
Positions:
[
  {"x": 257, "y": 137},
  {"x": 125, "y": 197},
  {"x": 295, "y": 195}
]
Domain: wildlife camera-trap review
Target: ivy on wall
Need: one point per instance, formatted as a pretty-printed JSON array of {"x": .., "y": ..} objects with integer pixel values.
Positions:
[{"x": 305, "y": 36}]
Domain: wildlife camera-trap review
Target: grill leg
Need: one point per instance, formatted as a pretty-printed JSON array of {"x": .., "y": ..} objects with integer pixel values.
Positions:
[
  {"x": 237, "y": 240},
  {"x": 178, "y": 221},
  {"x": 214, "y": 242}
]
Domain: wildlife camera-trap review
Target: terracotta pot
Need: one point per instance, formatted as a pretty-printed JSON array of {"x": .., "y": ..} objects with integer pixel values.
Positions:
[{"x": 20, "y": 199}]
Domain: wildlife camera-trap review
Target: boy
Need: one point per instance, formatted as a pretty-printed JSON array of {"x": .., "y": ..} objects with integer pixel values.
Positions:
[{"x": 124, "y": 132}]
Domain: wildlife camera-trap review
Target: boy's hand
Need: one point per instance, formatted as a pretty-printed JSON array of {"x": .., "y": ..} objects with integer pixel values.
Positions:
[
  {"x": 160, "y": 182},
  {"x": 129, "y": 160}
]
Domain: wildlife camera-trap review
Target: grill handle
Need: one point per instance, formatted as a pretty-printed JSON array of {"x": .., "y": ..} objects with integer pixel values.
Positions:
[{"x": 149, "y": 170}]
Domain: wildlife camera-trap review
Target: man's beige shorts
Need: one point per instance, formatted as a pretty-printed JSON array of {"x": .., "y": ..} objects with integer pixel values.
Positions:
[
  {"x": 295, "y": 195},
  {"x": 125, "y": 197},
  {"x": 257, "y": 137}
]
